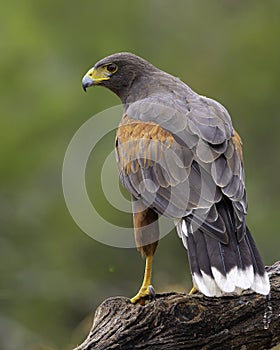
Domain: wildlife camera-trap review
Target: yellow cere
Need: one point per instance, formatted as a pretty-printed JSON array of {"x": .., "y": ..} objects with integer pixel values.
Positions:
[{"x": 98, "y": 74}]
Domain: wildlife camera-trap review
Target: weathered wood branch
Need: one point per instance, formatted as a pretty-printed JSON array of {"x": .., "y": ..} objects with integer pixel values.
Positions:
[{"x": 179, "y": 321}]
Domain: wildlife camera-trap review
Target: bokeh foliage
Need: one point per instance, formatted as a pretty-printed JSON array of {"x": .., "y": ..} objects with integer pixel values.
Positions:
[{"x": 52, "y": 274}]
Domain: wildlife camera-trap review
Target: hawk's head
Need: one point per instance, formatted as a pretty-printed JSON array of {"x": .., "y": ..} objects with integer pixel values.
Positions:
[{"x": 118, "y": 72}]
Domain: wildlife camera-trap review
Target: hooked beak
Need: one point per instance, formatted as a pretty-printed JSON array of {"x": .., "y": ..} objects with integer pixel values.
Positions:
[
  {"x": 87, "y": 82},
  {"x": 94, "y": 76}
]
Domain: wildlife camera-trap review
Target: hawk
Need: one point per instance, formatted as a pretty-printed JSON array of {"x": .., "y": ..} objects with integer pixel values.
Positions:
[{"x": 179, "y": 156}]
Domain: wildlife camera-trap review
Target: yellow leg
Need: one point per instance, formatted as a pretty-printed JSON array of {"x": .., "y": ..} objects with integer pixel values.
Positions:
[
  {"x": 193, "y": 290},
  {"x": 145, "y": 290}
]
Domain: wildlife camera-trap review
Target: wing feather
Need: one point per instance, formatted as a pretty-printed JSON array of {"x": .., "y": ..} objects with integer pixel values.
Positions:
[{"x": 186, "y": 162}]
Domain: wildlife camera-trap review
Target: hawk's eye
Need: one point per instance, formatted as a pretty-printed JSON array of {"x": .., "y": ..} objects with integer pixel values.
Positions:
[{"x": 111, "y": 68}]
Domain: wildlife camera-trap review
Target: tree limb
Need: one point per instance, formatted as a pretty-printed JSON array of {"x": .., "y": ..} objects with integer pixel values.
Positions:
[{"x": 180, "y": 321}]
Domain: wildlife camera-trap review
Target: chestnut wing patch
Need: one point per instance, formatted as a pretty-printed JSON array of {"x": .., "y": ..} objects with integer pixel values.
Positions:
[{"x": 163, "y": 173}]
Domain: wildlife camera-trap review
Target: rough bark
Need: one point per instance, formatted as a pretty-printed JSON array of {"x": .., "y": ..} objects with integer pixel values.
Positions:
[{"x": 179, "y": 321}]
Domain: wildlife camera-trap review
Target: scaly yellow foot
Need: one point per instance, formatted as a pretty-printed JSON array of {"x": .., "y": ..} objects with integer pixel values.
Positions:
[
  {"x": 146, "y": 290},
  {"x": 193, "y": 290},
  {"x": 143, "y": 294}
]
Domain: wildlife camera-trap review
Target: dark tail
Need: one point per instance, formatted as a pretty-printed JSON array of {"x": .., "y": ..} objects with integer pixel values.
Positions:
[{"x": 219, "y": 268}]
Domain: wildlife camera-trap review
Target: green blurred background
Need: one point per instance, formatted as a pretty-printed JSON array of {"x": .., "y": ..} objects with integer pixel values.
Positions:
[{"x": 53, "y": 275}]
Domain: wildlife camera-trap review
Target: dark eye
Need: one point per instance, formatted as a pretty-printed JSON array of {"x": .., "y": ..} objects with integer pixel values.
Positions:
[{"x": 111, "y": 68}]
